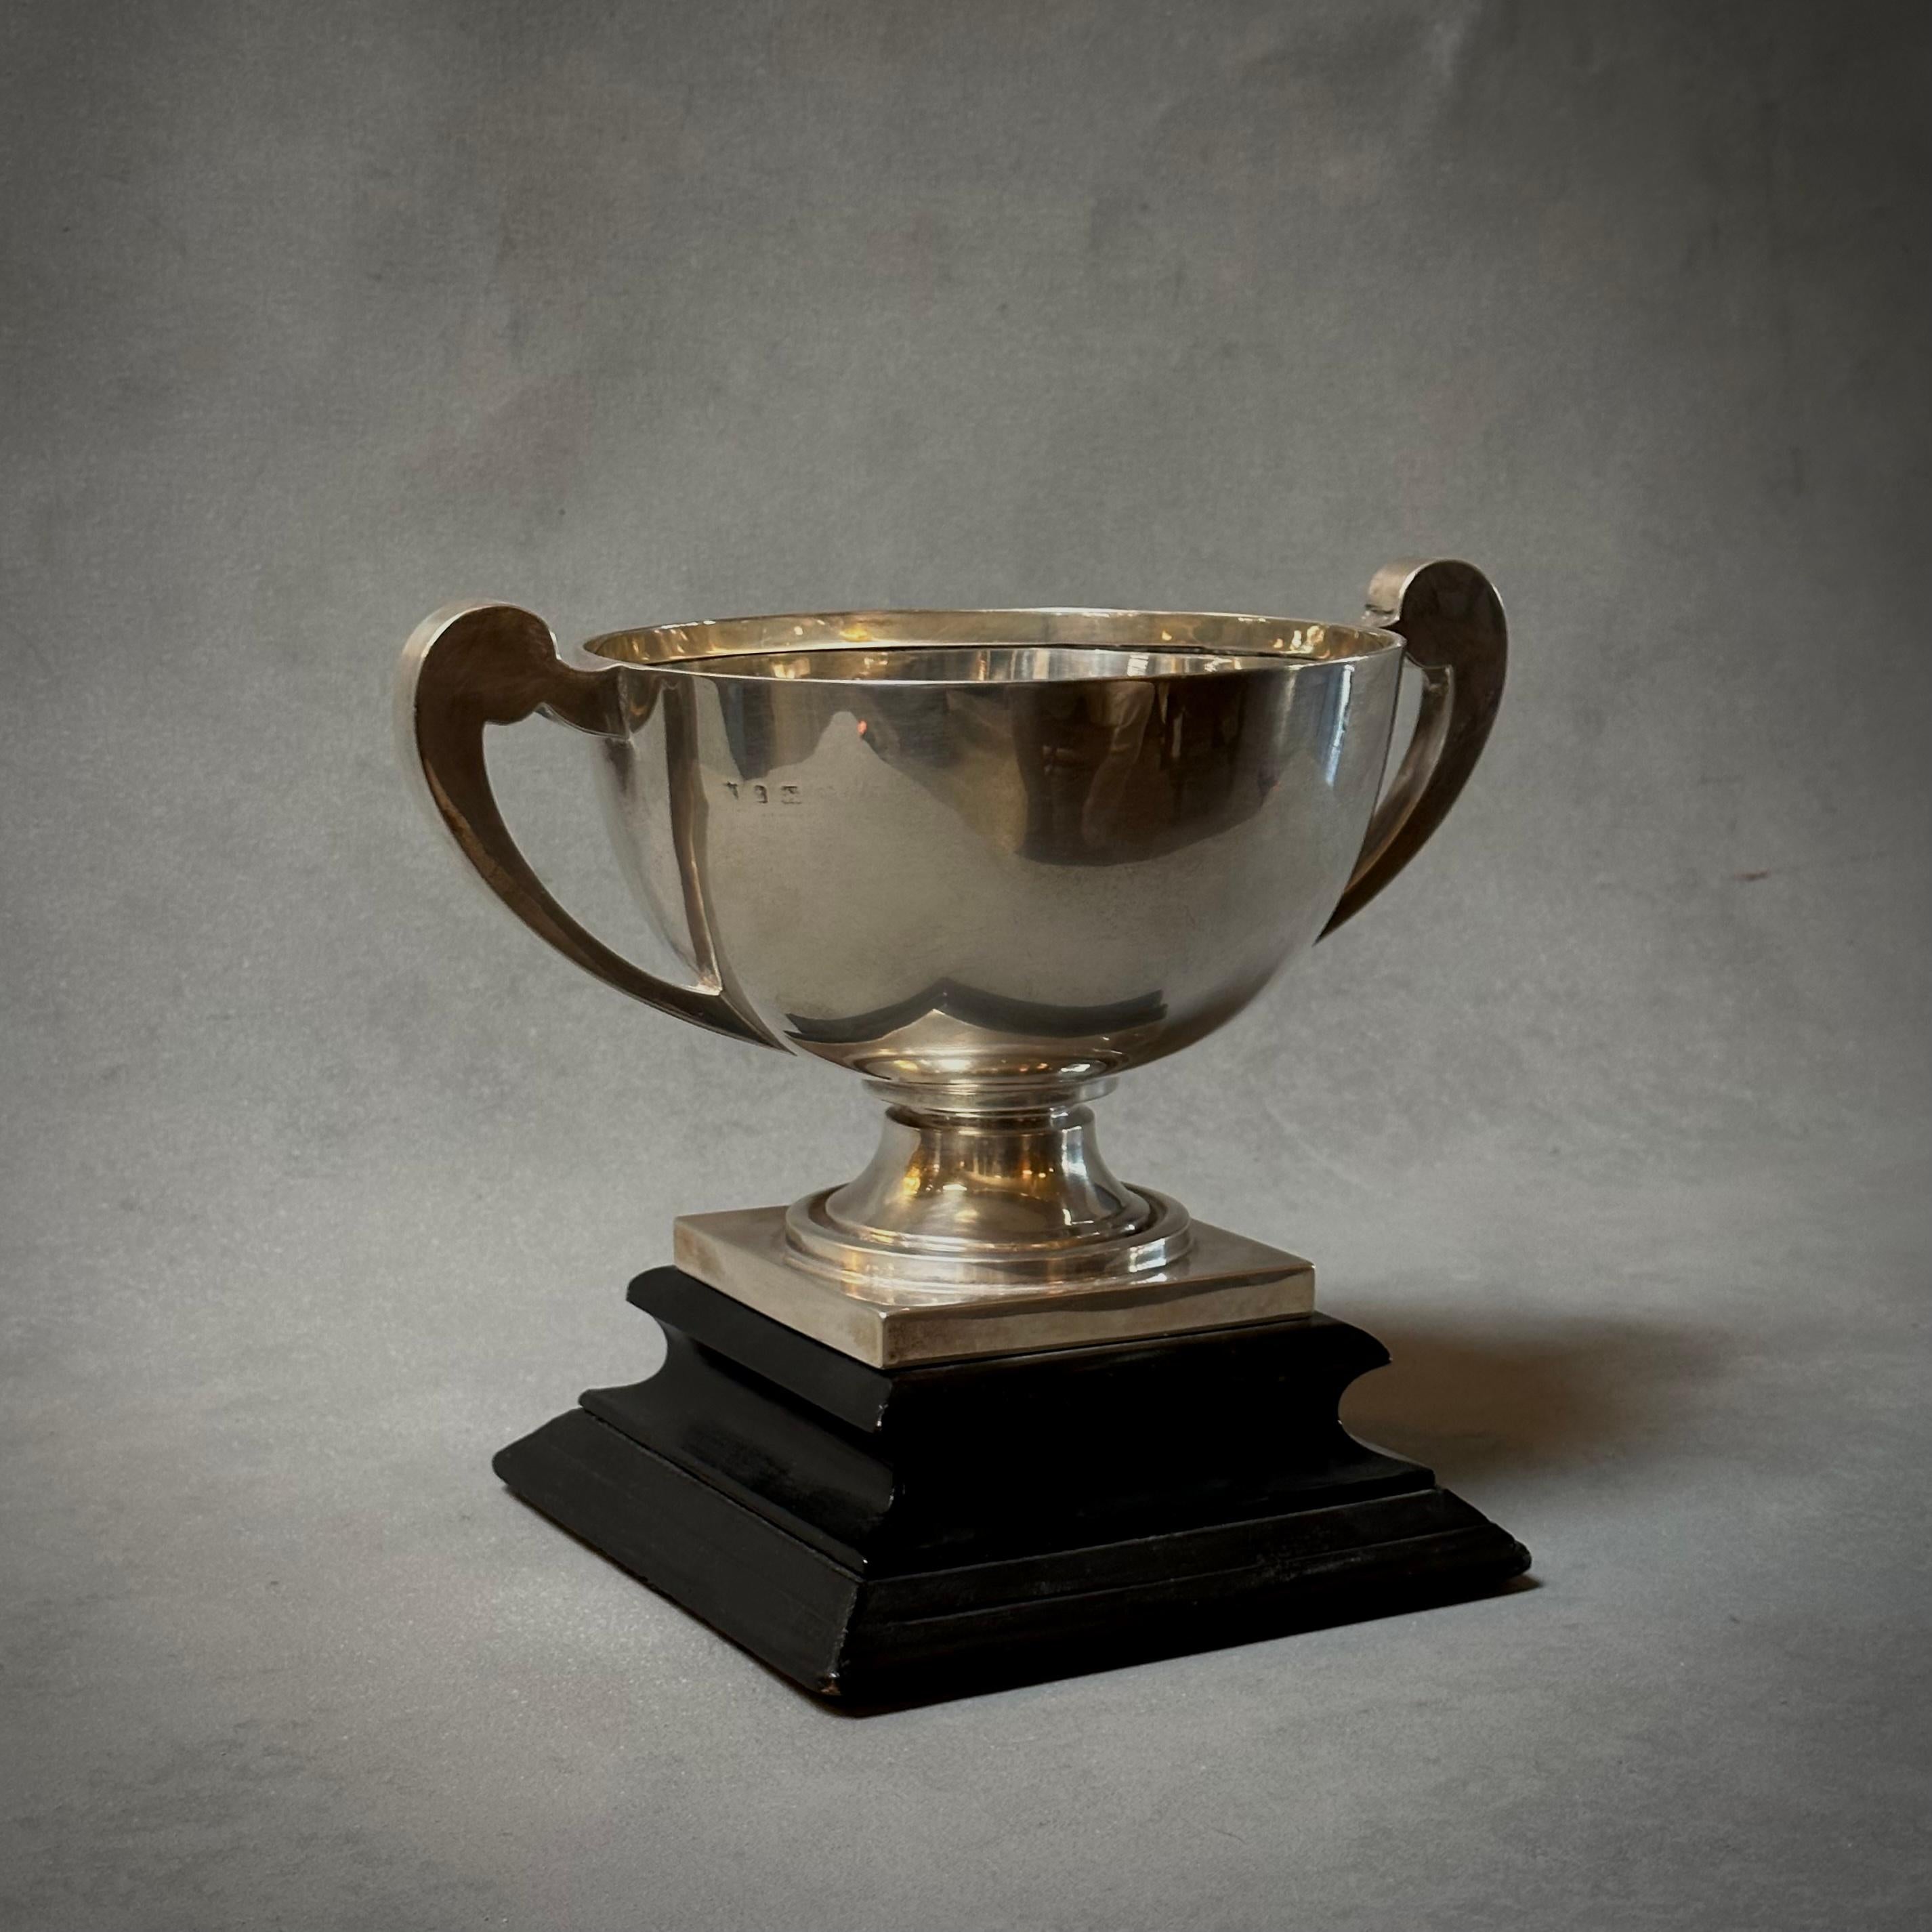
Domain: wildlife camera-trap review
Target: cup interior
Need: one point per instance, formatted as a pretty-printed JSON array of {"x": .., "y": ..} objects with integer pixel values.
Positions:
[
  {"x": 988, "y": 646},
  {"x": 934, "y": 663}
]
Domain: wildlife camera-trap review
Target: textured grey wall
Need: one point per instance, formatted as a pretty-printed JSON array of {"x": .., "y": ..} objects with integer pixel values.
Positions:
[{"x": 323, "y": 1178}]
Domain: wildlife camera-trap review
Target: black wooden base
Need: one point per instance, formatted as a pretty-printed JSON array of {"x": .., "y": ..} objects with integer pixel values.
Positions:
[{"x": 894, "y": 1535}]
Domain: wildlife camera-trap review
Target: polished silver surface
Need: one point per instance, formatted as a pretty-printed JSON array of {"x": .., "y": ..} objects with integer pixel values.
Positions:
[
  {"x": 989, "y": 1195},
  {"x": 988, "y": 860},
  {"x": 1223, "y": 1280},
  {"x": 1019, "y": 868}
]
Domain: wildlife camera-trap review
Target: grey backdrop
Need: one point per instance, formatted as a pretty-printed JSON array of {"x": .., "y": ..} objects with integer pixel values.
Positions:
[{"x": 323, "y": 1178}]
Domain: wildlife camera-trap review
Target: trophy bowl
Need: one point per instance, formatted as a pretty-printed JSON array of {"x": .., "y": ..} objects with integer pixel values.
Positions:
[
  {"x": 988, "y": 860},
  {"x": 984, "y": 1411}
]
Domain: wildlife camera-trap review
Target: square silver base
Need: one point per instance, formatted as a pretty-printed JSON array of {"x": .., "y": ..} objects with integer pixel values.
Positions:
[{"x": 1224, "y": 1279}]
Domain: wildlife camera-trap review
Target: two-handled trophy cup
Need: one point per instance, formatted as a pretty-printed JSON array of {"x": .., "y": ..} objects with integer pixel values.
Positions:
[{"x": 985, "y": 1411}]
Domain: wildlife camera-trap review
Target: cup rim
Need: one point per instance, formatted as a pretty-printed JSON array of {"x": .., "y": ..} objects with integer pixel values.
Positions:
[{"x": 1256, "y": 642}]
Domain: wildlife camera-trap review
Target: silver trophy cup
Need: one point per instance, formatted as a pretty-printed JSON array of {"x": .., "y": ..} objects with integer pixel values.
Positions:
[{"x": 988, "y": 861}]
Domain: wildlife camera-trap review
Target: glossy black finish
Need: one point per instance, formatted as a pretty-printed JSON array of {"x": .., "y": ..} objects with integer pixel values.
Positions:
[{"x": 894, "y": 1535}]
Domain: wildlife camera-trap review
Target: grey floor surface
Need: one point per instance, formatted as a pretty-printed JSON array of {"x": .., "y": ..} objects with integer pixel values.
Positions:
[{"x": 322, "y": 1181}]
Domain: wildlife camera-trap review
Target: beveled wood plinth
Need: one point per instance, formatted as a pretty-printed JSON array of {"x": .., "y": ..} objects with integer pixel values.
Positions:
[{"x": 893, "y": 1535}]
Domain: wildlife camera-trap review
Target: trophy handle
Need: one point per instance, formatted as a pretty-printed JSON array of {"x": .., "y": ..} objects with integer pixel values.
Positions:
[
  {"x": 1450, "y": 621},
  {"x": 474, "y": 665}
]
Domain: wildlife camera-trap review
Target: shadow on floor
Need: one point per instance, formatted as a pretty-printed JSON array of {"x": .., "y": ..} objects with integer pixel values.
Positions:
[{"x": 1471, "y": 1399}]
